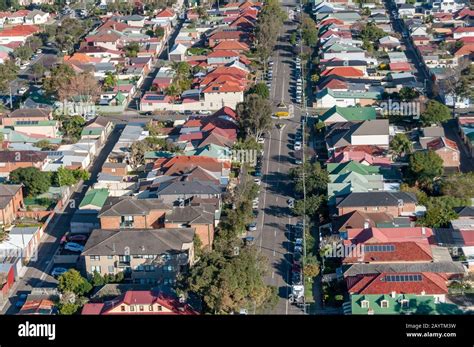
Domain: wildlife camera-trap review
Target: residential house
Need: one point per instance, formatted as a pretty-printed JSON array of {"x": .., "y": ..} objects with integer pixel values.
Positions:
[
  {"x": 11, "y": 160},
  {"x": 140, "y": 302},
  {"x": 394, "y": 203},
  {"x": 153, "y": 256},
  {"x": 371, "y": 132},
  {"x": 130, "y": 212},
  {"x": 11, "y": 200},
  {"x": 347, "y": 114},
  {"x": 327, "y": 98}
]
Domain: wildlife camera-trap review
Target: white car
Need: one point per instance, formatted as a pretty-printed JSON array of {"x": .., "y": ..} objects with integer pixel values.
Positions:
[
  {"x": 58, "y": 271},
  {"x": 257, "y": 181},
  {"x": 22, "y": 90},
  {"x": 297, "y": 146},
  {"x": 74, "y": 247},
  {"x": 261, "y": 140}
]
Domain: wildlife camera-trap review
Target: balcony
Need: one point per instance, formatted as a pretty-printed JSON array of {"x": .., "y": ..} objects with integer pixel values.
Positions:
[
  {"x": 122, "y": 264},
  {"x": 126, "y": 225}
]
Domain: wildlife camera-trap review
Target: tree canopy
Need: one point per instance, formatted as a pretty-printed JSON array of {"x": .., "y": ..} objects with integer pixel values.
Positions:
[
  {"x": 435, "y": 113},
  {"x": 425, "y": 166},
  {"x": 35, "y": 181},
  {"x": 255, "y": 115}
]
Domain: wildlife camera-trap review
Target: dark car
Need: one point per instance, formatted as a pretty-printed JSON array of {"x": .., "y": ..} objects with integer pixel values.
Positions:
[{"x": 77, "y": 238}]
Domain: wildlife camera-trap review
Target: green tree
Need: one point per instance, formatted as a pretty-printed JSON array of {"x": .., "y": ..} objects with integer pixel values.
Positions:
[
  {"x": 72, "y": 281},
  {"x": 67, "y": 309},
  {"x": 407, "y": 93},
  {"x": 34, "y": 42},
  {"x": 60, "y": 76},
  {"x": 311, "y": 267},
  {"x": 308, "y": 31},
  {"x": 309, "y": 208},
  {"x": 260, "y": 89},
  {"x": 401, "y": 145},
  {"x": 435, "y": 113},
  {"x": 35, "y": 181},
  {"x": 227, "y": 284},
  {"x": 132, "y": 49},
  {"x": 440, "y": 210},
  {"x": 23, "y": 53},
  {"x": 316, "y": 178},
  {"x": 38, "y": 71},
  {"x": 459, "y": 185},
  {"x": 110, "y": 80},
  {"x": 64, "y": 177},
  {"x": 371, "y": 34},
  {"x": 293, "y": 38},
  {"x": 97, "y": 280},
  {"x": 72, "y": 126},
  {"x": 45, "y": 145},
  {"x": 255, "y": 115},
  {"x": 8, "y": 72},
  {"x": 424, "y": 167}
]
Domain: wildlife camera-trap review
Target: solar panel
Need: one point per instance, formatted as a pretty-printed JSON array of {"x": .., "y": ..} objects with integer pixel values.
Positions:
[
  {"x": 403, "y": 278},
  {"x": 379, "y": 248}
]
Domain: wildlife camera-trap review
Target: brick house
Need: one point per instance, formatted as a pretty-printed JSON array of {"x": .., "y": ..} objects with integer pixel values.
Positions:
[
  {"x": 11, "y": 200},
  {"x": 145, "y": 256},
  {"x": 26, "y": 114},
  {"x": 447, "y": 150},
  {"x": 11, "y": 160},
  {"x": 201, "y": 218},
  {"x": 393, "y": 203},
  {"x": 132, "y": 213},
  {"x": 115, "y": 169}
]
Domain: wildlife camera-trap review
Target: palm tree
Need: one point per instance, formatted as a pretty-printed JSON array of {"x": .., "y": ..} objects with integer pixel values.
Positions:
[
  {"x": 110, "y": 80},
  {"x": 172, "y": 90},
  {"x": 401, "y": 145}
]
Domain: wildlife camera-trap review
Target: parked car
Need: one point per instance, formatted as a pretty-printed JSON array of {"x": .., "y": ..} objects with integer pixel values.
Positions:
[
  {"x": 74, "y": 247},
  {"x": 77, "y": 238},
  {"x": 21, "y": 300},
  {"x": 257, "y": 173},
  {"x": 297, "y": 145},
  {"x": 257, "y": 181},
  {"x": 261, "y": 140},
  {"x": 58, "y": 271},
  {"x": 252, "y": 227}
]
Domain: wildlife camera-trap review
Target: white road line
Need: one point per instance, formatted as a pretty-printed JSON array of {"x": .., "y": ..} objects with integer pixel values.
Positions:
[{"x": 273, "y": 274}]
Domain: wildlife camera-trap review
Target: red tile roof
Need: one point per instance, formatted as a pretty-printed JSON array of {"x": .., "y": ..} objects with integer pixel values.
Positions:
[
  {"x": 222, "y": 53},
  {"x": 465, "y": 50},
  {"x": 403, "y": 252},
  {"x": 20, "y": 30},
  {"x": 418, "y": 234},
  {"x": 463, "y": 30},
  {"x": 231, "y": 46},
  {"x": 145, "y": 298},
  {"x": 182, "y": 164},
  {"x": 345, "y": 71},
  {"x": 400, "y": 66},
  {"x": 442, "y": 142},
  {"x": 468, "y": 237},
  {"x": 166, "y": 13},
  {"x": 227, "y": 35},
  {"x": 431, "y": 284}
]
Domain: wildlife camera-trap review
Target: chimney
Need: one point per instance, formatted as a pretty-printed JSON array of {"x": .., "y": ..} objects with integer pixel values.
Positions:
[
  {"x": 366, "y": 224},
  {"x": 423, "y": 231},
  {"x": 394, "y": 294}
]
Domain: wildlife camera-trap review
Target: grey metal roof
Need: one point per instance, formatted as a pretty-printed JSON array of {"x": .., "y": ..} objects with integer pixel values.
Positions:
[
  {"x": 372, "y": 127},
  {"x": 188, "y": 187},
  {"x": 377, "y": 199},
  {"x": 440, "y": 267},
  {"x": 130, "y": 206},
  {"x": 191, "y": 214},
  {"x": 138, "y": 241}
]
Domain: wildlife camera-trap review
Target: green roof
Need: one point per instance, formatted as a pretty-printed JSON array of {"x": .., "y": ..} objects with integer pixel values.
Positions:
[
  {"x": 350, "y": 113},
  {"x": 158, "y": 154},
  {"x": 350, "y": 166},
  {"x": 211, "y": 150},
  {"x": 91, "y": 131},
  {"x": 120, "y": 97},
  {"x": 388, "y": 173},
  {"x": 95, "y": 197},
  {"x": 417, "y": 304},
  {"x": 337, "y": 47},
  {"x": 348, "y": 94},
  {"x": 470, "y": 136}
]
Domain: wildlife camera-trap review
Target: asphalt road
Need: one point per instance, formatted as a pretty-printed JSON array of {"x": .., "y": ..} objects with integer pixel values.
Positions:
[
  {"x": 37, "y": 273},
  {"x": 274, "y": 215},
  {"x": 421, "y": 72}
]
